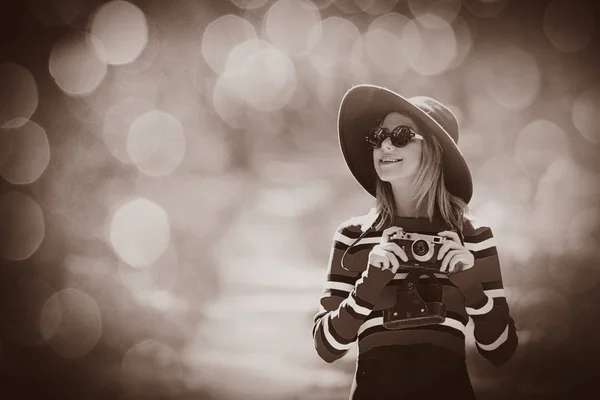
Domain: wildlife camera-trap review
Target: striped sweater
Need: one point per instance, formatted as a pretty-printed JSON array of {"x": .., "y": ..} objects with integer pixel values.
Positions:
[{"x": 352, "y": 302}]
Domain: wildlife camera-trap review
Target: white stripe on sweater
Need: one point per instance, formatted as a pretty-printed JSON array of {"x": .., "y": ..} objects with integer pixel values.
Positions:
[
  {"x": 345, "y": 287},
  {"x": 497, "y": 343},
  {"x": 351, "y": 302},
  {"x": 486, "y": 244},
  {"x": 495, "y": 293},
  {"x": 350, "y": 241},
  {"x": 449, "y": 322},
  {"x": 487, "y": 307},
  {"x": 329, "y": 337}
]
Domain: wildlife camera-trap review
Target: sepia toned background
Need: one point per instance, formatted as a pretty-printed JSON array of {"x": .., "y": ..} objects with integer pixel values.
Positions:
[{"x": 171, "y": 181}]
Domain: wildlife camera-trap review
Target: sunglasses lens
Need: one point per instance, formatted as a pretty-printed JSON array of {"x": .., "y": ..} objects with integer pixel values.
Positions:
[
  {"x": 375, "y": 137},
  {"x": 401, "y": 136}
]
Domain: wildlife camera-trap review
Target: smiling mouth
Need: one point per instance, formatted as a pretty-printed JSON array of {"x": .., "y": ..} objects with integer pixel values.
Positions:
[{"x": 388, "y": 161}]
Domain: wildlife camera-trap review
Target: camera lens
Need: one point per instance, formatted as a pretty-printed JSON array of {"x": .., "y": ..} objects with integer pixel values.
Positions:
[{"x": 421, "y": 248}]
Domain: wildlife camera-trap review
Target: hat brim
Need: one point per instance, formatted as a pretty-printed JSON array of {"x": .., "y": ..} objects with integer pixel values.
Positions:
[{"x": 359, "y": 110}]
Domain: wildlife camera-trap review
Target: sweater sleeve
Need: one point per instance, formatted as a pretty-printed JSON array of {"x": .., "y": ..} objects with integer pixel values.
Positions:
[
  {"x": 495, "y": 331},
  {"x": 348, "y": 295}
]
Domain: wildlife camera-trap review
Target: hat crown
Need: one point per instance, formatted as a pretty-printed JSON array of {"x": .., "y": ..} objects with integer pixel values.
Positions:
[{"x": 439, "y": 112}]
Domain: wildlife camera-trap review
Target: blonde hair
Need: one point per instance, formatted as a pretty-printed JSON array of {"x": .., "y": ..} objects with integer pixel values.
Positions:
[{"x": 430, "y": 192}]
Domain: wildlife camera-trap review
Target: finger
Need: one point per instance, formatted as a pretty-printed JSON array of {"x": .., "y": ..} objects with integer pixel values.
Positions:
[
  {"x": 387, "y": 233},
  {"x": 394, "y": 264},
  {"x": 397, "y": 250},
  {"x": 455, "y": 263},
  {"x": 381, "y": 262},
  {"x": 450, "y": 235},
  {"x": 447, "y": 259},
  {"x": 448, "y": 244}
]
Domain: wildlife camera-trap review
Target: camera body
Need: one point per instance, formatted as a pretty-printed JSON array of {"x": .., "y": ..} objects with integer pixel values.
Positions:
[
  {"x": 418, "y": 303},
  {"x": 421, "y": 249}
]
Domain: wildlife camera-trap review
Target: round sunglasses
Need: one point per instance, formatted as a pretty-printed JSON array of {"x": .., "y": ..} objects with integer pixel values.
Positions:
[{"x": 400, "y": 136}]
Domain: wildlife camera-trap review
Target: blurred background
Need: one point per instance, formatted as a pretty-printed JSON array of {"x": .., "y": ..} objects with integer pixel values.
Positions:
[{"x": 171, "y": 181}]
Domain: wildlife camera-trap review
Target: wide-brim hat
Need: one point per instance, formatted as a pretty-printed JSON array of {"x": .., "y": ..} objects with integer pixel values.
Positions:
[{"x": 364, "y": 105}]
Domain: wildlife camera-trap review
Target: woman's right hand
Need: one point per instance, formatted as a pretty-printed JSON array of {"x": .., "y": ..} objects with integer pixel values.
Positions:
[{"x": 385, "y": 255}]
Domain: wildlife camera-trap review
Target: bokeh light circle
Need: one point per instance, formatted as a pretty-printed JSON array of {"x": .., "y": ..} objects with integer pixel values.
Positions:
[
  {"x": 290, "y": 25},
  {"x": 437, "y": 44},
  {"x": 586, "y": 116},
  {"x": 118, "y": 120},
  {"x": 385, "y": 45},
  {"x": 71, "y": 323},
  {"x": 139, "y": 232},
  {"x": 152, "y": 367},
  {"x": 23, "y": 227},
  {"x": 221, "y": 36},
  {"x": 445, "y": 10},
  {"x": 464, "y": 40},
  {"x": 260, "y": 74},
  {"x": 162, "y": 274},
  {"x": 515, "y": 78},
  {"x": 26, "y": 151},
  {"x": 485, "y": 8},
  {"x": 249, "y": 4},
  {"x": 19, "y": 95},
  {"x": 378, "y": 7},
  {"x": 156, "y": 143},
  {"x": 569, "y": 24},
  {"x": 230, "y": 108},
  {"x": 334, "y": 49},
  {"x": 77, "y": 63},
  {"x": 538, "y": 145},
  {"x": 122, "y": 29}
]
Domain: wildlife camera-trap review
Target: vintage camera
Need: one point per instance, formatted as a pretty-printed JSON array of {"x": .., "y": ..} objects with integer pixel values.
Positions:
[
  {"x": 419, "y": 302},
  {"x": 422, "y": 250}
]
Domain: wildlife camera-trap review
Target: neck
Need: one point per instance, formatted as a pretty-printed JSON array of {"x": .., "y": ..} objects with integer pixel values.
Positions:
[{"x": 406, "y": 206}]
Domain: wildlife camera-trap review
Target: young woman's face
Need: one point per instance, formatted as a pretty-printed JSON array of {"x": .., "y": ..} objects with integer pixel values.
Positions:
[{"x": 398, "y": 163}]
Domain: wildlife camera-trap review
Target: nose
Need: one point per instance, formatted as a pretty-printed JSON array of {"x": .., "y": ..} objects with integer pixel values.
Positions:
[{"x": 387, "y": 145}]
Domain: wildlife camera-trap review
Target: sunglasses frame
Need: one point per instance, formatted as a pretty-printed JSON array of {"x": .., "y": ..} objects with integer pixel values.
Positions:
[{"x": 401, "y": 131}]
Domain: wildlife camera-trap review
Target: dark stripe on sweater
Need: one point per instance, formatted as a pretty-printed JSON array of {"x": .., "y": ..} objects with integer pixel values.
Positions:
[
  {"x": 342, "y": 278},
  {"x": 340, "y": 246},
  {"x": 489, "y": 252},
  {"x": 459, "y": 317},
  {"x": 480, "y": 303},
  {"x": 334, "y": 293},
  {"x": 492, "y": 285},
  {"x": 478, "y": 238},
  {"x": 430, "y": 328},
  {"x": 336, "y": 335},
  {"x": 362, "y": 302},
  {"x": 352, "y": 232},
  {"x": 354, "y": 314}
]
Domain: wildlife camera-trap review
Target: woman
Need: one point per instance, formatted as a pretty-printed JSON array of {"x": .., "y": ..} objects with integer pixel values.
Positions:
[{"x": 404, "y": 153}]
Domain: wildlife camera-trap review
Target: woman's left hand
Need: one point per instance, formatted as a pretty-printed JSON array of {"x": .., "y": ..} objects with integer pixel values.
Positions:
[{"x": 456, "y": 256}]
